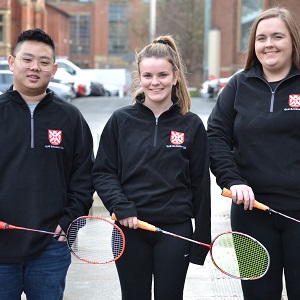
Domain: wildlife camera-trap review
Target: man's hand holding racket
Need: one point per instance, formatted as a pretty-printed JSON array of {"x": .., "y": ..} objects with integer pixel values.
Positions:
[{"x": 62, "y": 237}]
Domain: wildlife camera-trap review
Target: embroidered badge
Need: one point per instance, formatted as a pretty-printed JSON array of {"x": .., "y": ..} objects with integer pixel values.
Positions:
[
  {"x": 176, "y": 137},
  {"x": 294, "y": 100},
  {"x": 54, "y": 137}
]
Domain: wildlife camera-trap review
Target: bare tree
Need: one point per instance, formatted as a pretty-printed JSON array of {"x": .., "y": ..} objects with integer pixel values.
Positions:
[{"x": 184, "y": 20}]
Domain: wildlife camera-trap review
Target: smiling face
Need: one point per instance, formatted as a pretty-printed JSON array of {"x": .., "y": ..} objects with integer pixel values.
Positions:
[
  {"x": 157, "y": 79},
  {"x": 32, "y": 82},
  {"x": 273, "y": 47}
]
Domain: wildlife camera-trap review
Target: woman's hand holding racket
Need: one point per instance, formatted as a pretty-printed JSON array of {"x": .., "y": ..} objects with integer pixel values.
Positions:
[
  {"x": 243, "y": 194},
  {"x": 91, "y": 239},
  {"x": 258, "y": 205},
  {"x": 131, "y": 222},
  {"x": 235, "y": 254}
]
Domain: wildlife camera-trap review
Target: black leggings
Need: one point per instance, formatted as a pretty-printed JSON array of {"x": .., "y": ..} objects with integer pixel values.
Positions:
[
  {"x": 152, "y": 254},
  {"x": 281, "y": 237}
]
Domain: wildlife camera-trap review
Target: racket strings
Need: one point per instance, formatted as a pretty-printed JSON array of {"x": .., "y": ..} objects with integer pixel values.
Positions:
[
  {"x": 240, "y": 256},
  {"x": 96, "y": 240},
  {"x": 117, "y": 242}
]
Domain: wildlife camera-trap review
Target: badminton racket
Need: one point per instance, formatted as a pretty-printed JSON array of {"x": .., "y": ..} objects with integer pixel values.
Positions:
[
  {"x": 258, "y": 205},
  {"x": 235, "y": 254},
  {"x": 92, "y": 239}
]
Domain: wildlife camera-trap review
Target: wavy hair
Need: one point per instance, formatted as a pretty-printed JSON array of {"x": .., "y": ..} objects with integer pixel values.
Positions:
[{"x": 285, "y": 15}]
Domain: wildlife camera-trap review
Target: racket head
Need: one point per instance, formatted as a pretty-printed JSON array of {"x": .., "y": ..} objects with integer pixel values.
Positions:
[
  {"x": 95, "y": 240},
  {"x": 239, "y": 255}
]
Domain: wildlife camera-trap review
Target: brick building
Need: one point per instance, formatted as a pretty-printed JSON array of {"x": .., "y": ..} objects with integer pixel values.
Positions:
[
  {"x": 232, "y": 19},
  {"x": 79, "y": 28},
  {"x": 100, "y": 33}
]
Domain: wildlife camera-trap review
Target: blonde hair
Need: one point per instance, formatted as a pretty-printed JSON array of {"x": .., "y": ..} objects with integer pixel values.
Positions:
[
  {"x": 285, "y": 15},
  {"x": 164, "y": 47}
]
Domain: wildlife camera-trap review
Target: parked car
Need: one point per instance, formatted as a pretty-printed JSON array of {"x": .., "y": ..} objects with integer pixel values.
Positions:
[
  {"x": 86, "y": 84},
  {"x": 111, "y": 90},
  {"x": 4, "y": 64},
  {"x": 6, "y": 80},
  {"x": 82, "y": 83},
  {"x": 62, "y": 76},
  {"x": 210, "y": 88},
  {"x": 97, "y": 88},
  {"x": 117, "y": 77},
  {"x": 221, "y": 89},
  {"x": 63, "y": 91}
]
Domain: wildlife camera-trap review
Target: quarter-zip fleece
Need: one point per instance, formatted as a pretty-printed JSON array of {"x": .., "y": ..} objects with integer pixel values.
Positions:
[
  {"x": 45, "y": 172},
  {"x": 254, "y": 137},
  {"x": 156, "y": 170}
]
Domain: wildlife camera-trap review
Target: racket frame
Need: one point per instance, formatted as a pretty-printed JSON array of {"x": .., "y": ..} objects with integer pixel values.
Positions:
[
  {"x": 73, "y": 251},
  {"x": 149, "y": 227},
  {"x": 6, "y": 226},
  {"x": 244, "y": 235}
]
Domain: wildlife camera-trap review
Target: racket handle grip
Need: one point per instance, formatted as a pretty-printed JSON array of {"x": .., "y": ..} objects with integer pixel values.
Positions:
[
  {"x": 141, "y": 224},
  {"x": 3, "y": 225},
  {"x": 258, "y": 205}
]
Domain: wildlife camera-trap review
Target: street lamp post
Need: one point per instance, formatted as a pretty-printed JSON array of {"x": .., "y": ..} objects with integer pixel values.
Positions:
[{"x": 152, "y": 29}]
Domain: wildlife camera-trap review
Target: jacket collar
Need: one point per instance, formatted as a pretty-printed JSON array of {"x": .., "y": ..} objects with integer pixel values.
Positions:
[
  {"x": 139, "y": 101},
  {"x": 256, "y": 71},
  {"x": 16, "y": 96}
]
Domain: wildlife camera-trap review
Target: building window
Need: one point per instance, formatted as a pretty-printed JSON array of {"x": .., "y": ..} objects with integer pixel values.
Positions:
[
  {"x": 2, "y": 27},
  {"x": 84, "y": 1},
  {"x": 250, "y": 10},
  {"x": 118, "y": 29},
  {"x": 80, "y": 35}
]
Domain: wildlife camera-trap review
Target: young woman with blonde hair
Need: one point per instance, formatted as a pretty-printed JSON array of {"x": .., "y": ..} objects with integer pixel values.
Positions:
[{"x": 153, "y": 164}]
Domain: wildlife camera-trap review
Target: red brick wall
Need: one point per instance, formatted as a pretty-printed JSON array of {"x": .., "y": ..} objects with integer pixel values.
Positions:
[
  {"x": 56, "y": 19},
  {"x": 98, "y": 11},
  {"x": 225, "y": 16}
]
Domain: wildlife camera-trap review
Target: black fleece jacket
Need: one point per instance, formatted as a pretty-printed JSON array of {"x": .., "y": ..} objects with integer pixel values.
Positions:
[
  {"x": 254, "y": 136},
  {"x": 46, "y": 162},
  {"x": 156, "y": 169}
]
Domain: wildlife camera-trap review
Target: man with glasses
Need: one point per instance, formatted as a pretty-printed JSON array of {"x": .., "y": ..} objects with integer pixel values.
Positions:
[{"x": 45, "y": 164}]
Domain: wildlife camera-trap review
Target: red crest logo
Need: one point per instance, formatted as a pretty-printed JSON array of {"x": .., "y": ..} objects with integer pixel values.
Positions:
[
  {"x": 176, "y": 137},
  {"x": 294, "y": 100},
  {"x": 54, "y": 137}
]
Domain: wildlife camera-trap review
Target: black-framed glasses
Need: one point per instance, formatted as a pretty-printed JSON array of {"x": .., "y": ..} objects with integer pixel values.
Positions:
[{"x": 43, "y": 63}]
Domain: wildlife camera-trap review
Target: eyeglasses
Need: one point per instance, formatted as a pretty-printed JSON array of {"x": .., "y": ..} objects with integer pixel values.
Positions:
[{"x": 27, "y": 62}]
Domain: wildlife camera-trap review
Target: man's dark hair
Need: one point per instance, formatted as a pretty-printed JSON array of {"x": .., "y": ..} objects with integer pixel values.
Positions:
[{"x": 37, "y": 35}]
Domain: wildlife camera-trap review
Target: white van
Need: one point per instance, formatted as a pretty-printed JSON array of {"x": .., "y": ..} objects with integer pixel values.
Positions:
[
  {"x": 82, "y": 83},
  {"x": 121, "y": 78},
  {"x": 87, "y": 85}
]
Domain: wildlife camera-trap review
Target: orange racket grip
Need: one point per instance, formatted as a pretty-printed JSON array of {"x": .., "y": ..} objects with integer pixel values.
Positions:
[
  {"x": 141, "y": 224},
  {"x": 3, "y": 225},
  {"x": 258, "y": 205}
]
